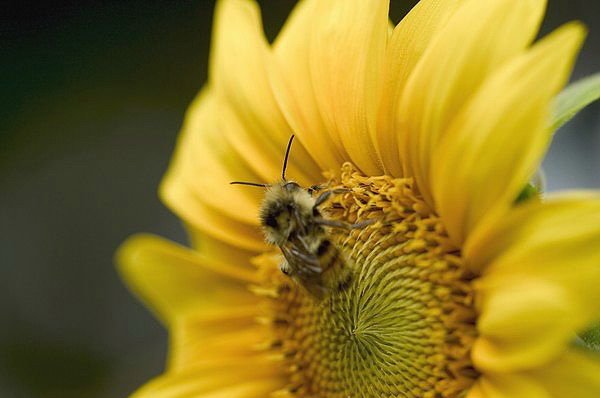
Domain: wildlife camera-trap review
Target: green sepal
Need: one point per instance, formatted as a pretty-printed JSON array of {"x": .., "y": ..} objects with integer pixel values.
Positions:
[
  {"x": 574, "y": 98},
  {"x": 591, "y": 338},
  {"x": 530, "y": 191}
]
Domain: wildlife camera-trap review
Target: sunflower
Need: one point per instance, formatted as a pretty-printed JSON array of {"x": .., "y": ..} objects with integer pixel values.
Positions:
[{"x": 432, "y": 128}]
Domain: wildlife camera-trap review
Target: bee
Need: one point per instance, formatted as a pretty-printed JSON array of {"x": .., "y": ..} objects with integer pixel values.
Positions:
[{"x": 291, "y": 220}]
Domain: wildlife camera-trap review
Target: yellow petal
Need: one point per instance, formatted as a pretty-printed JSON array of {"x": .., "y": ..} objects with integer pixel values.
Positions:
[
  {"x": 556, "y": 242},
  {"x": 290, "y": 78},
  {"x": 544, "y": 276},
  {"x": 507, "y": 386},
  {"x": 562, "y": 221},
  {"x": 497, "y": 140},
  {"x": 242, "y": 381},
  {"x": 346, "y": 56},
  {"x": 408, "y": 41},
  {"x": 523, "y": 323},
  {"x": 574, "y": 374},
  {"x": 219, "y": 250},
  {"x": 478, "y": 39},
  {"x": 174, "y": 281},
  {"x": 238, "y": 74},
  {"x": 196, "y": 186},
  {"x": 220, "y": 335},
  {"x": 205, "y": 163},
  {"x": 191, "y": 208}
]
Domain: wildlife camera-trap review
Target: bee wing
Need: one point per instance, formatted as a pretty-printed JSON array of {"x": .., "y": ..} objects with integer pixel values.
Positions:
[
  {"x": 306, "y": 268},
  {"x": 302, "y": 262}
]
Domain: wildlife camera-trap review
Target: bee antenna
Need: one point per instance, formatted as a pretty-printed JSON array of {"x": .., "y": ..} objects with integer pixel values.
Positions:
[
  {"x": 252, "y": 184},
  {"x": 287, "y": 154}
]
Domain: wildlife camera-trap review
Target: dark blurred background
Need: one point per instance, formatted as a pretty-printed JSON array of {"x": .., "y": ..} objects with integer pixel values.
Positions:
[{"x": 92, "y": 97}]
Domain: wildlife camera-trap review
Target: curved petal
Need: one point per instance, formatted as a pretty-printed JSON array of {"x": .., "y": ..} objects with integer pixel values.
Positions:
[
  {"x": 238, "y": 74},
  {"x": 191, "y": 208},
  {"x": 292, "y": 86},
  {"x": 407, "y": 43},
  {"x": 507, "y": 386},
  {"x": 196, "y": 186},
  {"x": 477, "y": 40},
  {"x": 204, "y": 164},
  {"x": 225, "y": 252},
  {"x": 574, "y": 374},
  {"x": 248, "y": 380},
  {"x": 498, "y": 139},
  {"x": 523, "y": 323},
  {"x": 174, "y": 281},
  {"x": 346, "y": 55},
  {"x": 542, "y": 284},
  {"x": 563, "y": 221},
  {"x": 221, "y": 336}
]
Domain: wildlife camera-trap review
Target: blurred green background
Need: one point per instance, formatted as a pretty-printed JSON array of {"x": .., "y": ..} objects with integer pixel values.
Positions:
[{"x": 93, "y": 94}]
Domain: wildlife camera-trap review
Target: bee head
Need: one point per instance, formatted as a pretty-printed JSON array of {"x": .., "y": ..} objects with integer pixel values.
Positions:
[
  {"x": 290, "y": 186},
  {"x": 285, "y": 206},
  {"x": 278, "y": 211}
]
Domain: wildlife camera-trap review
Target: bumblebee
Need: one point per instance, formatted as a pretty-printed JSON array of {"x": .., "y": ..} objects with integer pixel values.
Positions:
[{"x": 291, "y": 219}]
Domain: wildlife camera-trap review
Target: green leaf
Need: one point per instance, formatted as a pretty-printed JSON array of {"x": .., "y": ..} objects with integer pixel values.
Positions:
[{"x": 574, "y": 98}]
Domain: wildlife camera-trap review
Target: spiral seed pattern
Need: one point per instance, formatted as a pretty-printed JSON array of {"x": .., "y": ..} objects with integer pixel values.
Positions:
[{"x": 404, "y": 325}]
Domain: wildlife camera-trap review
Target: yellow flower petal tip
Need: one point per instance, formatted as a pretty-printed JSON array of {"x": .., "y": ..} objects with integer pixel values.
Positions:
[
  {"x": 175, "y": 280},
  {"x": 137, "y": 260},
  {"x": 403, "y": 263},
  {"x": 130, "y": 254}
]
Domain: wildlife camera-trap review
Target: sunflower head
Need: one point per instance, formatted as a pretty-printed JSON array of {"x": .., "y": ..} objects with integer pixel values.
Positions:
[
  {"x": 403, "y": 324},
  {"x": 420, "y": 267}
]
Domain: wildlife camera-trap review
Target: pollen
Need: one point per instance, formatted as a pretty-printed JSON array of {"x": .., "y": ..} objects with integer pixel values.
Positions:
[{"x": 404, "y": 324}]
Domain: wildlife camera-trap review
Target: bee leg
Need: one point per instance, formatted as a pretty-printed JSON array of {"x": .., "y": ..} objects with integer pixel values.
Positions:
[
  {"x": 333, "y": 223},
  {"x": 362, "y": 224},
  {"x": 345, "y": 225},
  {"x": 317, "y": 187},
  {"x": 322, "y": 199},
  {"x": 299, "y": 222},
  {"x": 327, "y": 194}
]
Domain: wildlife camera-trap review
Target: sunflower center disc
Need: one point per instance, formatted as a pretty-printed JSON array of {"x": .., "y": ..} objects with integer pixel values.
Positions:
[{"x": 403, "y": 326}]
